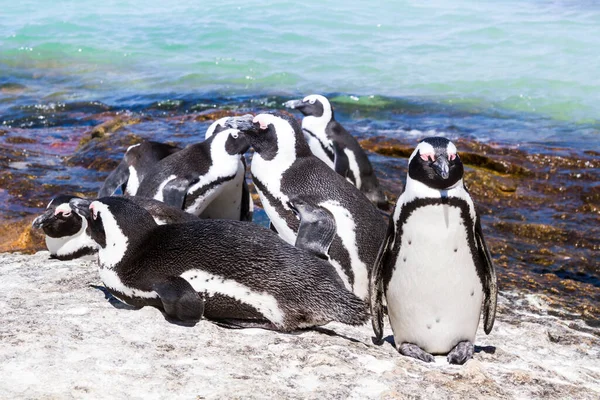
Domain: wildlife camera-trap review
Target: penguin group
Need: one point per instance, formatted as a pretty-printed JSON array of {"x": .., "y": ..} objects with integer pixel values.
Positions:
[{"x": 172, "y": 228}]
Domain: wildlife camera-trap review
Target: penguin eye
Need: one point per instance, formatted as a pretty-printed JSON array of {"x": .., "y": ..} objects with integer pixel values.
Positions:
[
  {"x": 428, "y": 157},
  {"x": 235, "y": 135},
  {"x": 312, "y": 101},
  {"x": 66, "y": 214}
]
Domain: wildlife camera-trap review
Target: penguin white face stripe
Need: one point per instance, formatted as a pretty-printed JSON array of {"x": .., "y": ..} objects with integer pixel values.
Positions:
[
  {"x": 133, "y": 183},
  {"x": 213, "y": 126},
  {"x": 204, "y": 282},
  {"x": 63, "y": 209},
  {"x": 451, "y": 149},
  {"x": 346, "y": 230},
  {"x": 423, "y": 148},
  {"x": 116, "y": 241},
  {"x": 132, "y": 146},
  {"x": 159, "y": 192}
]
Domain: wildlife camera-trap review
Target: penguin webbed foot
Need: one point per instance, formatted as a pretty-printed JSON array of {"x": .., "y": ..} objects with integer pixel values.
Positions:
[
  {"x": 461, "y": 353},
  {"x": 179, "y": 299},
  {"x": 414, "y": 351}
]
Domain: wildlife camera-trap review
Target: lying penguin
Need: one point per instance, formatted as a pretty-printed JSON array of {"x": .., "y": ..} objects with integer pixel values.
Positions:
[
  {"x": 136, "y": 163},
  {"x": 330, "y": 142},
  {"x": 434, "y": 268},
  {"x": 192, "y": 178},
  {"x": 67, "y": 234},
  {"x": 190, "y": 271},
  {"x": 284, "y": 172}
]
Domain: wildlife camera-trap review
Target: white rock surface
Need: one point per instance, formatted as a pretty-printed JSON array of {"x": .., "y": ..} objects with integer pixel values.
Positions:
[{"x": 61, "y": 338}]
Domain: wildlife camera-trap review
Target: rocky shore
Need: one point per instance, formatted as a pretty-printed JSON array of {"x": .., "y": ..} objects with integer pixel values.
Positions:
[{"x": 63, "y": 337}]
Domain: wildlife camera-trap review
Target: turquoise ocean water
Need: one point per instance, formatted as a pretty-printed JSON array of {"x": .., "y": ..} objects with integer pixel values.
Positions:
[{"x": 537, "y": 62}]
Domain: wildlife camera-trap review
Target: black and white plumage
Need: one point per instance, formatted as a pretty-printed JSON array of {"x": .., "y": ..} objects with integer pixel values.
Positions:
[
  {"x": 192, "y": 178},
  {"x": 192, "y": 271},
  {"x": 136, "y": 163},
  {"x": 234, "y": 200},
  {"x": 329, "y": 141},
  {"x": 434, "y": 268},
  {"x": 67, "y": 234},
  {"x": 285, "y": 171}
]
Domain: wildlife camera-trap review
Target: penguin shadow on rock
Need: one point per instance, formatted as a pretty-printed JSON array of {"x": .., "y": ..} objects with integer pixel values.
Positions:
[
  {"x": 434, "y": 268},
  {"x": 335, "y": 146},
  {"x": 206, "y": 179},
  {"x": 189, "y": 271},
  {"x": 285, "y": 172},
  {"x": 68, "y": 236}
]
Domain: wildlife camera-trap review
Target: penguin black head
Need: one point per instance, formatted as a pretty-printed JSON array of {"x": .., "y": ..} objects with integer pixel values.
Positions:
[
  {"x": 114, "y": 221},
  {"x": 59, "y": 220},
  {"x": 271, "y": 134},
  {"x": 435, "y": 162},
  {"x": 313, "y": 105},
  {"x": 236, "y": 143}
]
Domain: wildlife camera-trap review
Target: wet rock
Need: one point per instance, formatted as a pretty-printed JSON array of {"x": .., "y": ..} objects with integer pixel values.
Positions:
[
  {"x": 109, "y": 127},
  {"x": 20, "y": 236}
]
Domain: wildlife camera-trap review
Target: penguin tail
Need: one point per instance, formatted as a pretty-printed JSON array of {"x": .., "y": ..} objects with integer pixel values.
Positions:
[{"x": 376, "y": 301}]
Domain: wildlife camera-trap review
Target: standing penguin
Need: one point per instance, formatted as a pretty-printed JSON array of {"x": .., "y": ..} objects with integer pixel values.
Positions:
[
  {"x": 136, "y": 163},
  {"x": 190, "y": 271},
  {"x": 234, "y": 200},
  {"x": 193, "y": 177},
  {"x": 67, "y": 233},
  {"x": 285, "y": 171},
  {"x": 329, "y": 141},
  {"x": 434, "y": 267}
]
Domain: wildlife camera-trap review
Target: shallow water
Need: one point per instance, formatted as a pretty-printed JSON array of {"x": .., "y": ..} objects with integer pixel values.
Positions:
[
  {"x": 521, "y": 77},
  {"x": 526, "y": 56}
]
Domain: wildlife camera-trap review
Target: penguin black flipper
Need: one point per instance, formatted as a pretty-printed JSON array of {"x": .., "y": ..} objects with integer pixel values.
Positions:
[
  {"x": 488, "y": 280},
  {"x": 376, "y": 284},
  {"x": 179, "y": 299},
  {"x": 341, "y": 163},
  {"x": 174, "y": 192},
  {"x": 117, "y": 178},
  {"x": 317, "y": 228}
]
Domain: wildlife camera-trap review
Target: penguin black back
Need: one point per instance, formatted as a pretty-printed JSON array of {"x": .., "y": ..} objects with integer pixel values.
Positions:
[{"x": 285, "y": 287}]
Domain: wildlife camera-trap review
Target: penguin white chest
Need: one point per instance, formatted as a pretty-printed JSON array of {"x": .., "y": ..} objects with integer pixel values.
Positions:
[
  {"x": 434, "y": 296},
  {"x": 317, "y": 149},
  {"x": 228, "y": 202}
]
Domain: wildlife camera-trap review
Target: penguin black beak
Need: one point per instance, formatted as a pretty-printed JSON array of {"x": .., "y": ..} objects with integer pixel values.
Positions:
[
  {"x": 441, "y": 167},
  {"x": 81, "y": 207},
  {"x": 243, "y": 123},
  {"x": 294, "y": 104},
  {"x": 42, "y": 219}
]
